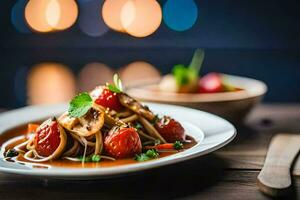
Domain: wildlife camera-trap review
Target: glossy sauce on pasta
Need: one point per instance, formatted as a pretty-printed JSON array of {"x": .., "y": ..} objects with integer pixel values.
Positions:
[{"x": 10, "y": 135}]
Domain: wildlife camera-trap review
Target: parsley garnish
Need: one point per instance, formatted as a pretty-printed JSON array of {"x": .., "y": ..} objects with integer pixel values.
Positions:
[
  {"x": 150, "y": 154},
  {"x": 178, "y": 145},
  {"x": 11, "y": 153},
  {"x": 91, "y": 158},
  {"x": 80, "y": 105},
  {"x": 117, "y": 87}
]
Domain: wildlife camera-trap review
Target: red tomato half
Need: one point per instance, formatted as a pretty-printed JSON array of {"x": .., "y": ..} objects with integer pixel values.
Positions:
[
  {"x": 47, "y": 138},
  {"x": 108, "y": 99},
  {"x": 170, "y": 129},
  {"x": 123, "y": 143}
]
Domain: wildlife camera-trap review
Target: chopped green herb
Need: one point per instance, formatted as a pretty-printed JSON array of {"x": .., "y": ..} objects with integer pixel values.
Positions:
[
  {"x": 178, "y": 145},
  {"x": 91, "y": 158},
  {"x": 142, "y": 157},
  {"x": 150, "y": 154},
  {"x": 138, "y": 126},
  {"x": 96, "y": 158},
  {"x": 117, "y": 87},
  {"x": 11, "y": 153},
  {"x": 80, "y": 105},
  {"x": 114, "y": 88}
]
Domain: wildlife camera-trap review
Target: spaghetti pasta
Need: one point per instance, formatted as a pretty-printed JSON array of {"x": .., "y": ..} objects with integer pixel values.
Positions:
[{"x": 110, "y": 126}]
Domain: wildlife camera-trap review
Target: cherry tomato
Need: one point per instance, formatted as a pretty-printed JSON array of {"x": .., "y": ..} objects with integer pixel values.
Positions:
[
  {"x": 211, "y": 83},
  {"x": 108, "y": 99},
  {"x": 123, "y": 143},
  {"x": 47, "y": 138},
  {"x": 170, "y": 129}
]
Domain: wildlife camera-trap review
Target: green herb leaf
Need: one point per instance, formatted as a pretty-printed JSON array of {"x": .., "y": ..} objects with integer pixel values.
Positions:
[
  {"x": 178, "y": 145},
  {"x": 11, "y": 153},
  {"x": 180, "y": 73},
  {"x": 117, "y": 87},
  {"x": 80, "y": 105},
  {"x": 91, "y": 158},
  {"x": 96, "y": 158},
  {"x": 142, "y": 157},
  {"x": 150, "y": 154},
  {"x": 114, "y": 88}
]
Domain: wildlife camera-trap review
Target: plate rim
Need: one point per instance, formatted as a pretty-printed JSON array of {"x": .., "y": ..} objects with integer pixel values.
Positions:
[{"x": 76, "y": 173}]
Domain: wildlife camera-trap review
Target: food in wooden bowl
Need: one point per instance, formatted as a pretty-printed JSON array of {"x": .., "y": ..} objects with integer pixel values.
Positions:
[{"x": 231, "y": 97}]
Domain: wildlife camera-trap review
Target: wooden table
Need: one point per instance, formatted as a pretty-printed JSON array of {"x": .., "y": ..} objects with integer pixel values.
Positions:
[{"x": 229, "y": 173}]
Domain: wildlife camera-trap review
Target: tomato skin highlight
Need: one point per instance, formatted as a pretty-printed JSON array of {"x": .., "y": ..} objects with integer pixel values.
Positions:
[
  {"x": 123, "y": 143},
  {"x": 47, "y": 138},
  {"x": 170, "y": 129},
  {"x": 109, "y": 99},
  {"x": 211, "y": 83}
]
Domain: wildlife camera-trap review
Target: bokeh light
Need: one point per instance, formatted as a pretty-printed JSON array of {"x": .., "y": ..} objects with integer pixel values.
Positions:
[
  {"x": 90, "y": 19},
  {"x": 138, "y": 72},
  {"x": 180, "y": 15},
  {"x": 141, "y": 18},
  {"x": 51, "y": 15},
  {"x": 35, "y": 15},
  {"x": 49, "y": 83},
  {"x": 94, "y": 74},
  {"x": 111, "y": 12},
  {"x": 18, "y": 18},
  {"x": 68, "y": 14}
]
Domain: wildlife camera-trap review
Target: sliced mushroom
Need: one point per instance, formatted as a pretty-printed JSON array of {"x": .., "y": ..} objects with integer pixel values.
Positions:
[
  {"x": 86, "y": 125},
  {"x": 135, "y": 106},
  {"x": 109, "y": 120}
]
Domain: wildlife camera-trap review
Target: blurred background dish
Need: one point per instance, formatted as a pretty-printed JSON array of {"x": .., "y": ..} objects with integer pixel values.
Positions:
[
  {"x": 239, "y": 38},
  {"x": 234, "y": 105}
]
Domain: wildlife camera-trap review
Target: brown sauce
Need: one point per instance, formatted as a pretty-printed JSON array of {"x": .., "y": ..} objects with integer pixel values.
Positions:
[{"x": 71, "y": 164}]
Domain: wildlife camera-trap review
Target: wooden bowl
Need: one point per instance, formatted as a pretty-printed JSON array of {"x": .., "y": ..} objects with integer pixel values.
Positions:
[{"x": 233, "y": 106}]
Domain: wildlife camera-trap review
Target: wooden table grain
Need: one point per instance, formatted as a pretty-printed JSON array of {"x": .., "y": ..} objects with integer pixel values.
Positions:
[{"x": 229, "y": 173}]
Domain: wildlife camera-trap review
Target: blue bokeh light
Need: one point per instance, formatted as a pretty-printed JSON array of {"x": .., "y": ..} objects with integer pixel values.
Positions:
[
  {"x": 180, "y": 15},
  {"x": 18, "y": 17},
  {"x": 90, "y": 19}
]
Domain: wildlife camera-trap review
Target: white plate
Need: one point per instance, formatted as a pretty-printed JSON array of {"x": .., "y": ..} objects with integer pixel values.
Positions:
[{"x": 211, "y": 133}]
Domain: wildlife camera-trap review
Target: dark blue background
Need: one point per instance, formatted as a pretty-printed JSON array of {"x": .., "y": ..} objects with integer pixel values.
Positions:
[{"x": 253, "y": 38}]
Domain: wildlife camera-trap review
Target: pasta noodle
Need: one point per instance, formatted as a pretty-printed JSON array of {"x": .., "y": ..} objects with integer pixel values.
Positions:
[{"x": 79, "y": 137}]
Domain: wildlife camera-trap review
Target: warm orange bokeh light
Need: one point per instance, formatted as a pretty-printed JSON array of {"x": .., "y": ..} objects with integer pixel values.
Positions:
[
  {"x": 138, "y": 72},
  {"x": 53, "y": 13},
  {"x": 35, "y": 15},
  {"x": 50, "y": 15},
  {"x": 68, "y": 14},
  {"x": 111, "y": 11},
  {"x": 141, "y": 18},
  {"x": 49, "y": 83},
  {"x": 94, "y": 74}
]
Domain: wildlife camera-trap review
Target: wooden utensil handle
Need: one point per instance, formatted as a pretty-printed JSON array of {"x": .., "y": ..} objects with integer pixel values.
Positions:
[{"x": 274, "y": 178}]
